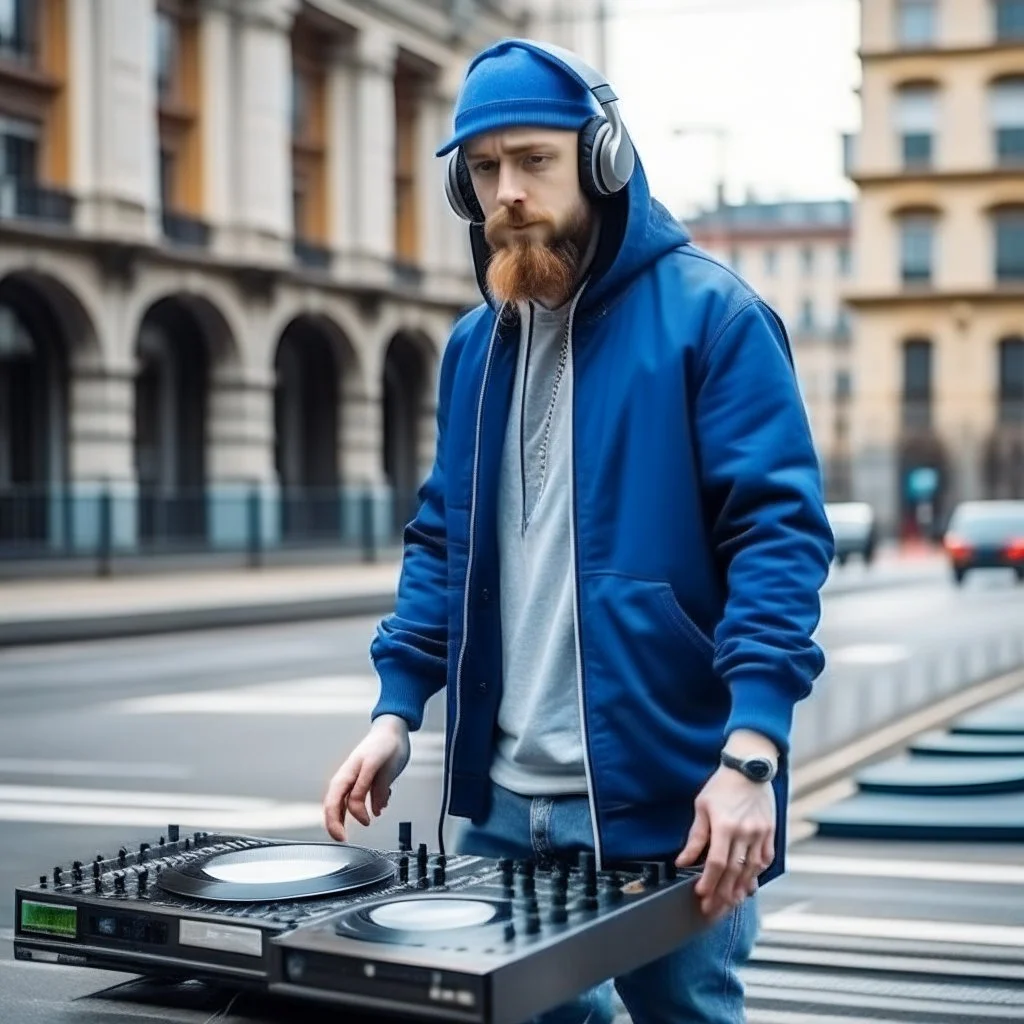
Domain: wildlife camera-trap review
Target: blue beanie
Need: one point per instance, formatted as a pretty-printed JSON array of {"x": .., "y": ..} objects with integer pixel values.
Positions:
[{"x": 510, "y": 85}]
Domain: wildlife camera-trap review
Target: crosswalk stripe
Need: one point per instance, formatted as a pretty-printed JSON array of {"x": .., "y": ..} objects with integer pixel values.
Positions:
[
  {"x": 92, "y": 769},
  {"x": 796, "y": 920},
  {"x": 317, "y": 695},
  {"x": 918, "y": 870}
]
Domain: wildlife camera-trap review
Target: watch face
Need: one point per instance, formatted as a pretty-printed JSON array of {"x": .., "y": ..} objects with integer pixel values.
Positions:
[{"x": 759, "y": 769}]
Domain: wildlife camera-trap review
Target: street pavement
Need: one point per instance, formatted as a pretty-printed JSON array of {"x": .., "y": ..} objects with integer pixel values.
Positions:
[{"x": 107, "y": 742}]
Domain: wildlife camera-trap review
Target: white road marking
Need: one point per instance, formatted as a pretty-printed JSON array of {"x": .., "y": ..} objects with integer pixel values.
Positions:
[
  {"x": 869, "y": 654},
  {"x": 894, "y": 928},
  {"x": 924, "y": 870},
  {"x": 92, "y": 769},
  {"x": 318, "y": 695}
]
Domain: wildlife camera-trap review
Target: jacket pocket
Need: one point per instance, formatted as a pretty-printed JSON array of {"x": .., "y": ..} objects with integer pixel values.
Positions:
[{"x": 702, "y": 643}]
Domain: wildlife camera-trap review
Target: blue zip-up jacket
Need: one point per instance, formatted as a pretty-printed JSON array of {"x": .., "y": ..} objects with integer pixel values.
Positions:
[{"x": 700, "y": 540}]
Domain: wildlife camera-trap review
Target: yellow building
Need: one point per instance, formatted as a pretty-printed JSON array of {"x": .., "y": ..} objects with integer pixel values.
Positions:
[
  {"x": 939, "y": 255},
  {"x": 797, "y": 256}
]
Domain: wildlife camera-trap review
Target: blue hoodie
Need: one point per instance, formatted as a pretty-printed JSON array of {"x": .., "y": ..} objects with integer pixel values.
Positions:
[{"x": 700, "y": 540}]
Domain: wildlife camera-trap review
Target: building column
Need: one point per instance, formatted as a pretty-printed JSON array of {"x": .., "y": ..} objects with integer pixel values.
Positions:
[
  {"x": 112, "y": 91},
  {"x": 342, "y": 156},
  {"x": 242, "y": 487},
  {"x": 372, "y": 112},
  {"x": 101, "y": 458},
  {"x": 246, "y": 53}
]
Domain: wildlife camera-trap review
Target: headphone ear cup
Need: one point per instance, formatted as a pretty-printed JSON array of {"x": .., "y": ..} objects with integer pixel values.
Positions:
[
  {"x": 460, "y": 191},
  {"x": 590, "y": 141}
]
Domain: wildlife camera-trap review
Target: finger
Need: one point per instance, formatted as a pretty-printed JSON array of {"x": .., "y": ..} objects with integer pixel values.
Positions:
[
  {"x": 700, "y": 831},
  {"x": 737, "y": 864},
  {"x": 768, "y": 849},
  {"x": 360, "y": 791},
  {"x": 336, "y": 798},
  {"x": 379, "y": 795},
  {"x": 715, "y": 864}
]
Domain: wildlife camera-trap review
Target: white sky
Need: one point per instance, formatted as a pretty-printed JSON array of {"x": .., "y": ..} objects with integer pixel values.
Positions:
[{"x": 779, "y": 75}]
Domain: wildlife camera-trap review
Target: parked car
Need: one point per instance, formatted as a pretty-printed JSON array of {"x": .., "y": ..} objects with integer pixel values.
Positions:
[
  {"x": 986, "y": 535},
  {"x": 854, "y": 529}
]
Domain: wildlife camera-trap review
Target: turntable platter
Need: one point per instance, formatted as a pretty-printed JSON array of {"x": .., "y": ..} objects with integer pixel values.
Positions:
[
  {"x": 279, "y": 871},
  {"x": 432, "y": 915}
]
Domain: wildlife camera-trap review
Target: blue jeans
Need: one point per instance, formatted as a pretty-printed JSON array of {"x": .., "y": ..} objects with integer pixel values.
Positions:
[{"x": 698, "y": 983}]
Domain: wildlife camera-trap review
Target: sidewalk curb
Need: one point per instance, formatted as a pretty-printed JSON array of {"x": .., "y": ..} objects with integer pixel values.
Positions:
[
  {"x": 69, "y": 629},
  {"x": 184, "y": 620}
]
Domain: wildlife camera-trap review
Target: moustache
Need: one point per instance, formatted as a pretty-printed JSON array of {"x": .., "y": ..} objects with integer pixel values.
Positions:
[{"x": 504, "y": 220}]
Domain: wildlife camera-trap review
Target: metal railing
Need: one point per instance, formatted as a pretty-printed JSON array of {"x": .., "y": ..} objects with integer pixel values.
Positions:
[
  {"x": 29, "y": 200},
  {"x": 106, "y": 523}
]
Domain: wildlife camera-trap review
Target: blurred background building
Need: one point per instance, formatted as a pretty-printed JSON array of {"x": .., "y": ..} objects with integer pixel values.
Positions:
[
  {"x": 227, "y": 268},
  {"x": 938, "y": 297},
  {"x": 798, "y": 256}
]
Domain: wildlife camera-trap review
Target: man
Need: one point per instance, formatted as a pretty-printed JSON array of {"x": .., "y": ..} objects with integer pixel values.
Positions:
[{"x": 616, "y": 563}]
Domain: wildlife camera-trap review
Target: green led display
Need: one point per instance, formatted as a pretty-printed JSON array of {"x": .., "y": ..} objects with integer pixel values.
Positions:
[{"x": 49, "y": 919}]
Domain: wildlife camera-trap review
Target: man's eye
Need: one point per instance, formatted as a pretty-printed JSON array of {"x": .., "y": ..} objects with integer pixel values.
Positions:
[
  {"x": 484, "y": 166},
  {"x": 536, "y": 159}
]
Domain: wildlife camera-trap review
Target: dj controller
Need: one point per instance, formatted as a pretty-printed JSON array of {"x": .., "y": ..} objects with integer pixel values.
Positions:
[{"x": 401, "y": 932}]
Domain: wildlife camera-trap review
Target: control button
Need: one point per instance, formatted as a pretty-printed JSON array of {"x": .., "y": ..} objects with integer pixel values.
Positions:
[
  {"x": 510, "y": 931},
  {"x": 405, "y": 835},
  {"x": 76, "y": 871},
  {"x": 119, "y": 882},
  {"x": 403, "y": 869},
  {"x": 485, "y": 595},
  {"x": 57, "y": 875},
  {"x": 172, "y": 833},
  {"x": 122, "y": 857},
  {"x": 439, "y": 874},
  {"x": 143, "y": 878},
  {"x": 42, "y": 881},
  {"x": 143, "y": 850},
  {"x": 532, "y": 922}
]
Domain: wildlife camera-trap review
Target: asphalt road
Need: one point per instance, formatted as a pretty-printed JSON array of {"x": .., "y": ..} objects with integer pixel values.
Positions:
[{"x": 105, "y": 743}]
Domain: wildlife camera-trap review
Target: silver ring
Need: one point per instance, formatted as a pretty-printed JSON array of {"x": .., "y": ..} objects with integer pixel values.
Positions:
[{"x": 741, "y": 860}]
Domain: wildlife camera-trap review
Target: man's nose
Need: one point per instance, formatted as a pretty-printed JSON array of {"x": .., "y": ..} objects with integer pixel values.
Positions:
[{"x": 510, "y": 189}]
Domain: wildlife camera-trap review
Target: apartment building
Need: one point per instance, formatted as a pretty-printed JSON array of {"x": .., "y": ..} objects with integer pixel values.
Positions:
[
  {"x": 227, "y": 266},
  {"x": 797, "y": 255},
  {"x": 938, "y": 408}
]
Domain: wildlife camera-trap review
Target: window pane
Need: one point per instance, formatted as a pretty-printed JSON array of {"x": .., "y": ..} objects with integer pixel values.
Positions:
[
  {"x": 917, "y": 370},
  {"x": 1009, "y": 19},
  {"x": 917, "y": 150},
  {"x": 1010, "y": 146},
  {"x": 916, "y": 245},
  {"x": 917, "y": 109},
  {"x": 917, "y": 22},
  {"x": 16, "y": 29},
  {"x": 166, "y": 54},
  {"x": 1010, "y": 246},
  {"x": 1011, "y": 380}
]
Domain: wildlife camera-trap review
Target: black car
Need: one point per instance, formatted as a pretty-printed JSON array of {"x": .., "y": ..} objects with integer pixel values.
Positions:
[{"x": 986, "y": 535}]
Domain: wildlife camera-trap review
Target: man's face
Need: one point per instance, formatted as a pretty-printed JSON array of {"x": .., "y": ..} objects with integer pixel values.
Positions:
[{"x": 537, "y": 218}]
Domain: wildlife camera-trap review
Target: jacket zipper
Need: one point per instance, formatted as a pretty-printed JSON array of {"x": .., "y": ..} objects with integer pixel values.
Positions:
[
  {"x": 522, "y": 422},
  {"x": 577, "y": 615},
  {"x": 469, "y": 570}
]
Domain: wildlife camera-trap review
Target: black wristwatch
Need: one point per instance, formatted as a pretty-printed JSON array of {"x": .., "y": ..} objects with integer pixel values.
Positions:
[{"x": 757, "y": 769}]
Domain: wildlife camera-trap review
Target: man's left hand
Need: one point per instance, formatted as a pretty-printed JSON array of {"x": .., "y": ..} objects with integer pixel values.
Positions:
[{"x": 735, "y": 821}]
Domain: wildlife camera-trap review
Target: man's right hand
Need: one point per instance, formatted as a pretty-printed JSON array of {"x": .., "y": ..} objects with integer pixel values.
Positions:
[{"x": 369, "y": 771}]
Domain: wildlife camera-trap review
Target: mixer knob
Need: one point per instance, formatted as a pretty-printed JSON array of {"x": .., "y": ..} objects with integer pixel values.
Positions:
[
  {"x": 119, "y": 882},
  {"x": 143, "y": 850},
  {"x": 76, "y": 871},
  {"x": 97, "y": 883},
  {"x": 527, "y": 868},
  {"x": 57, "y": 875},
  {"x": 528, "y": 885},
  {"x": 172, "y": 833},
  {"x": 510, "y": 931},
  {"x": 532, "y": 922},
  {"x": 42, "y": 881},
  {"x": 403, "y": 869},
  {"x": 405, "y": 835},
  {"x": 161, "y": 841},
  {"x": 651, "y": 875},
  {"x": 122, "y": 857},
  {"x": 96, "y": 866},
  {"x": 196, "y": 836},
  {"x": 188, "y": 843},
  {"x": 143, "y": 878},
  {"x": 439, "y": 875},
  {"x": 559, "y": 914}
]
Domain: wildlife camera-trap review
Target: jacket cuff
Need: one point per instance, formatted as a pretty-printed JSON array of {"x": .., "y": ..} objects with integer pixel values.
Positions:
[
  {"x": 400, "y": 695},
  {"x": 763, "y": 707}
]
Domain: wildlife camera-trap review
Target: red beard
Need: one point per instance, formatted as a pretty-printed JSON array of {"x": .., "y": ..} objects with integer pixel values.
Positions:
[{"x": 523, "y": 268}]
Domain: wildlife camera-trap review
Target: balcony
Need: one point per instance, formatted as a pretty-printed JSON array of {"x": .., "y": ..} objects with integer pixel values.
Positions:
[
  {"x": 28, "y": 200},
  {"x": 183, "y": 230}
]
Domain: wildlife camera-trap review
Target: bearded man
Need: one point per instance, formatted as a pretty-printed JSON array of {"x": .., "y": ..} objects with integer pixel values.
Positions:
[{"x": 616, "y": 563}]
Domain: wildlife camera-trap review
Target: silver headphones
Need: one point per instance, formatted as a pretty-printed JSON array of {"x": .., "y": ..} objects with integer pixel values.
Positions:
[{"x": 606, "y": 153}]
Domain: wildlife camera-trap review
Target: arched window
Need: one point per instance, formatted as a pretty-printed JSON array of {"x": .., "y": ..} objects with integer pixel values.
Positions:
[
  {"x": 1006, "y": 114},
  {"x": 917, "y": 123},
  {"x": 1008, "y": 228}
]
